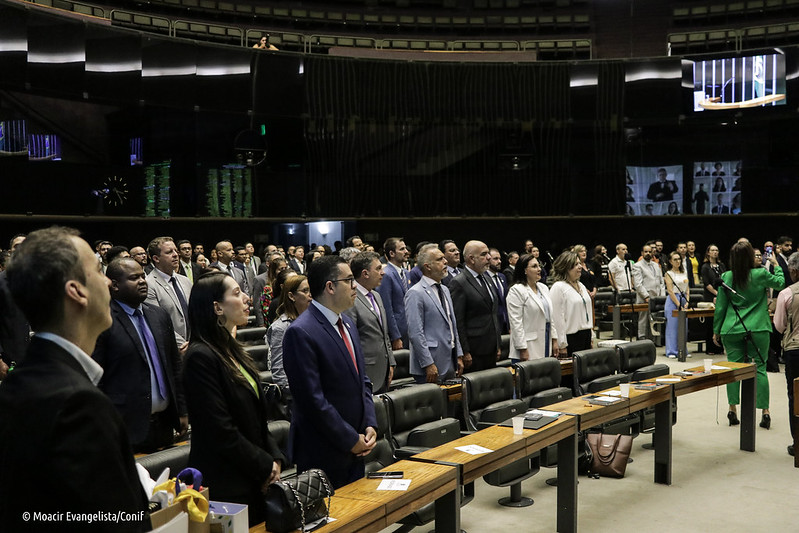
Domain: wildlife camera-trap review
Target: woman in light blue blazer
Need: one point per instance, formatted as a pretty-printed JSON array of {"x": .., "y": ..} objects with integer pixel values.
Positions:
[{"x": 532, "y": 333}]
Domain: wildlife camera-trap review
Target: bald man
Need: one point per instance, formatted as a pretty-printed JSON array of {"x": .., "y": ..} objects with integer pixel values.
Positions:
[{"x": 476, "y": 309}]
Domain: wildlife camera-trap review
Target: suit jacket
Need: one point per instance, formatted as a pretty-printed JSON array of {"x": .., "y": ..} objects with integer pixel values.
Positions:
[
  {"x": 502, "y": 309},
  {"x": 377, "y": 352},
  {"x": 296, "y": 266},
  {"x": 237, "y": 273},
  {"x": 723, "y": 211},
  {"x": 476, "y": 315},
  {"x": 332, "y": 401},
  {"x": 161, "y": 294},
  {"x": 752, "y": 304},
  {"x": 414, "y": 276},
  {"x": 258, "y": 283},
  {"x": 126, "y": 369},
  {"x": 648, "y": 280},
  {"x": 196, "y": 271},
  {"x": 230, "y": 440},
  {"x": 428, "y": 330},
  {"x": 14, "y": 328},
  {"x": 392, "y": 290},
  {"x": 56, "y": 426},
  {"x": 528, "y": 321}
]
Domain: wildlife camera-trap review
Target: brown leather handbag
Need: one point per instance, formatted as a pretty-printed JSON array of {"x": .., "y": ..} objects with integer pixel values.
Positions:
[{"x": 610, "y": 453}]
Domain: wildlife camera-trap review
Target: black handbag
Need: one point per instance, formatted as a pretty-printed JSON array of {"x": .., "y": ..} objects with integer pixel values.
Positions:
[{"x": 295, "y": 501}]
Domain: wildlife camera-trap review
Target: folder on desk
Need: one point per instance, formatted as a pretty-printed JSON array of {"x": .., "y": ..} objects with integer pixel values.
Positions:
[
  {"x": 532, "y": 424},
  {"x": 602, "y": 400}
]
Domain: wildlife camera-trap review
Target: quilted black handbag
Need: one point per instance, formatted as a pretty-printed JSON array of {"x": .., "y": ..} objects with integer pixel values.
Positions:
[{"x": 295, "y": 501}]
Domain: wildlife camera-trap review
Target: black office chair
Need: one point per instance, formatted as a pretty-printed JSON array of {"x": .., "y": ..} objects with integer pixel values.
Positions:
[
  {"x": 504, "y": 349},
  {"x": 637, "y": 360},
  {"x": 251, "y": 336},
  {"x": 259, "y": 354},
  {"x": 604, "y": 297},
  {"x": 382, "y": 455},
  {"x": 629, "y": 321},
  {"x": 176, "y": 458},
  {"x": 279, "y": 429},
  {"x": 657, "y": 313},
  {"x": 402, "y": 372},
  {"x": 596, "y": 370},
  {"x": 488, "y": 400}
]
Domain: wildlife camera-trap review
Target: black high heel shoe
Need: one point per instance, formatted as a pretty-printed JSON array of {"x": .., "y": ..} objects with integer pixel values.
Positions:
[
  {"x": 733, "y": 418},
  {"x": 765, "y": 422}
]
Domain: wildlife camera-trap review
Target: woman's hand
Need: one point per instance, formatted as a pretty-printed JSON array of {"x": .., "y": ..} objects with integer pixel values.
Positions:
[
  {"x": 524, "y": 355},
  {"x": 772, "y": 259},
  {"x": 717, "y": 339},
  {"x": 274, "y": 476}
]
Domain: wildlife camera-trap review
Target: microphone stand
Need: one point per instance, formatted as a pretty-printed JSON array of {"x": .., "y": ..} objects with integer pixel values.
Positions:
[
  {"x": 747, "y": 334},
  {"x": 630, "y": 323}
]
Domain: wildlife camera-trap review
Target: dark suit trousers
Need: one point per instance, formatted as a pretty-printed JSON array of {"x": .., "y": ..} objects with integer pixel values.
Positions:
[
  {"x": 482, "y": 362},
  {"x": 160, "y": 434},
  {"x": 791, "y": 373}
]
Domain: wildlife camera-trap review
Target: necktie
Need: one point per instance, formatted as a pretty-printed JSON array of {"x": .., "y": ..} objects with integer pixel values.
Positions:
[
  {"x": 189, "y": 272},
  {"x": 446, "y": 311},
  {"x": 374, "y": 306},
  {"x": 485, "y": 285},
  {"x": 346, "y": 340},
  {"x": 152, "y": 352},
  {"x": 181, "y": 299}
]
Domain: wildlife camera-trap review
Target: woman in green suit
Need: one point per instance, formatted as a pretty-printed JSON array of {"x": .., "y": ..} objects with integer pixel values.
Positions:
[{"x": 751, "y": 284}]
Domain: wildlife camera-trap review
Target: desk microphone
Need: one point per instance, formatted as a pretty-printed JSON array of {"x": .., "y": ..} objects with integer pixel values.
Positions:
[{"x": 719, "y": 283}]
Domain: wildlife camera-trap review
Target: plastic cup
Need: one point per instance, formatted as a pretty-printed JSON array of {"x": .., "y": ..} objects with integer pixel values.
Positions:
[
  {"x": 518, "y": 425},
  {"x": 708, "y": 365},
  {"x": 625, "y": 390}
]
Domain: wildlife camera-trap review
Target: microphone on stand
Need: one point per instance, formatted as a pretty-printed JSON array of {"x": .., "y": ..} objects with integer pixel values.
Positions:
[{"x": 719, "y": 283}]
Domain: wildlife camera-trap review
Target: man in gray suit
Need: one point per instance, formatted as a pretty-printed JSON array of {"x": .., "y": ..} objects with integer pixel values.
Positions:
[
  {"x": 648, "y": 282},
  {"x": 225, "y": 255},
  {"x": 169, "y": 290},
  {"x": 369, "y": 316},
  {"x": 436, "y": 353}
]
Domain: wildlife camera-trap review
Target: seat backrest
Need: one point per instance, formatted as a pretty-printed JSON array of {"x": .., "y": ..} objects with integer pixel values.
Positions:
[
  {"x": 252, "y": 336},
  {"x": 489, "y": 398},
  {"x": 697, "y": 294},
  {"x": 625, "y": 297},
  {"x": 504, "y": 346},
  {"x": 636, "y": 354},
  {"x": 382, "y": 454},
  {"x": 259, "y": 354},
  {"x": 592, "y": 366},
  {"x": 657, "y": 304},
  {"x": 176, "y": 458},
  {"x": 412, "y": 407},
  {"x": 403, "y": 368},
  {"x": 538, "y": 382}
]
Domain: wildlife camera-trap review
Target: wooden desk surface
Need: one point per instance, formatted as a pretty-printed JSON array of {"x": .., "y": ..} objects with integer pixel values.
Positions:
[
  {"x": 630, "y": 308},
  {"x": 429, "y": 482},
  {"x": 506, "y": 447},
  {"x": 591, "y": 415},
  {"x": 694, "y": 313},
  {"x": 351, "y": 516},
  {"x": 732, "y": 372}
]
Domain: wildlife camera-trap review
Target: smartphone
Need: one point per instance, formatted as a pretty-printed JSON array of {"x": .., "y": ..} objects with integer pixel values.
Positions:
[
  {"x": 769, "y": 249},
  {"x": 534, "y": 416},
  {"x": 384, "y": 475}
]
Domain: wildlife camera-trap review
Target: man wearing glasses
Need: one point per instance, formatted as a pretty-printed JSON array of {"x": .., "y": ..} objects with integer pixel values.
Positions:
[{"x": 333, "y": 417}]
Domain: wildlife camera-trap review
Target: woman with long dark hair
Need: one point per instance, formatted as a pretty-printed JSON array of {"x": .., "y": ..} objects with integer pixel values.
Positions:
[
  {"x": 572, "y": 309},
  {"x": 230, "y": 442},
  {"x": 676, "y": 298},
  {"x": 532, "y": 335},
  {"x": 295, "y": 297},
  {"x": 728, "y": 330}
]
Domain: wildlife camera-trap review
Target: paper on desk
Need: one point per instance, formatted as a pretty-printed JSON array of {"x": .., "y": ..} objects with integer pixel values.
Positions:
[
  {"x": 473, "y": 449},
  {"x": 394, "y": 484},
  {"x": 317, "y": 523},
  {"x": 612, "y": 393},
  {"x": 664, "y": 380},
  {"x": 542, "y": 412},
  {"x": 606, "y": 398},
  {"x": 718, "y": 367}
]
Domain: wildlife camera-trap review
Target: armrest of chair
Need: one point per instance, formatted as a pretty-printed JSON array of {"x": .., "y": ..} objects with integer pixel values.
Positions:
[{"x": 408, "y": 451}]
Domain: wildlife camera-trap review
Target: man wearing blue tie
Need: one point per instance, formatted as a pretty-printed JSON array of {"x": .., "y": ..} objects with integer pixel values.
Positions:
[
  {"x": 436, "y": 353},
  {"x": 393, "y": 288}
]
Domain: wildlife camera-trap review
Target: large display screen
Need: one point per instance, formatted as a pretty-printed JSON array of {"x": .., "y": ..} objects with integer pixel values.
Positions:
[
  {"x": 717, "y": 188},
  {"x": 654, "y": 190},
  {"x": 739, "y": 82}
]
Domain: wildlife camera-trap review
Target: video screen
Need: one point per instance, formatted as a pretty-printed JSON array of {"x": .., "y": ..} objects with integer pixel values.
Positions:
[
  {"x": 717, "y": 188},
  {"x": 228, "y": 191},
  {"x": 13, "y": 138},
  {"x": 654, "y": 190},
  {"x": 136, "y": 152},
  {"x": 157, "y": 189},
  {"x": 44, "y": 147},
  {"x": 739, "y": 82}
]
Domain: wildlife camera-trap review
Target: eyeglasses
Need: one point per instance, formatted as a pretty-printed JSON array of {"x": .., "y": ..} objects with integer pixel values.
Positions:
[{"x": 350, "y": 280}]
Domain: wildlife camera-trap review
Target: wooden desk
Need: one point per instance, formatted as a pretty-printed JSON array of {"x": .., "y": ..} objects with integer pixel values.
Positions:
[
  {"x": 743, "y": 372},
  {"x": 682, "y": 327},
  {"x": 359, "y": 506},
  {"x": 507, "y": 448},
  {"x": 627, "y": 309},
  {"x": 591, "y": 415}
]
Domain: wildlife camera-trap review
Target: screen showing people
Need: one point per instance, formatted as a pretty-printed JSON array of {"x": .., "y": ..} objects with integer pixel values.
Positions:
[
  {"x": 739, "y": 82},
  {"x": 717, "y": 188},
  {"x": 654, "y": 190}
]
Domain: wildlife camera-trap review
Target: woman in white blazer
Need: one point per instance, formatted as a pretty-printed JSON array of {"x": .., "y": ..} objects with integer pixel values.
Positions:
[{"x": 532, "y": 333}]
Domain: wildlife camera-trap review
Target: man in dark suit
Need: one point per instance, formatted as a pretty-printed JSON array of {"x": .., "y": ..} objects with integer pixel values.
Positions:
[
  {"x": 720, "y": 208},
  {"x": 141, "y": 363},
  {"x": 476, "y": 310},
  {"x": 436, "y": 353},
  {"x": 500, "y": 285},
  {"x": 225, "y": 263},
  {"x": 14, "y": 328},
  {"x": 393, "y": 288},
  {"x": 783, "y": 251},
  {"x": 333, "y": 417},
  {"x": 513, "y": 258},
  {"x": 369, "y": 316},
  {"x": 453, "y": 256},
  {"x": 187, "y": 267},
  {"x": 56, "y": 426},
  {"x": 662, "y": 190},
  {"x": 297, "y": 262}
]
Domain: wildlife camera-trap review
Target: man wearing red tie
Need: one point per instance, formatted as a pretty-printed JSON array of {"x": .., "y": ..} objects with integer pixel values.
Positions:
[{"x": 333, "y": 418}]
